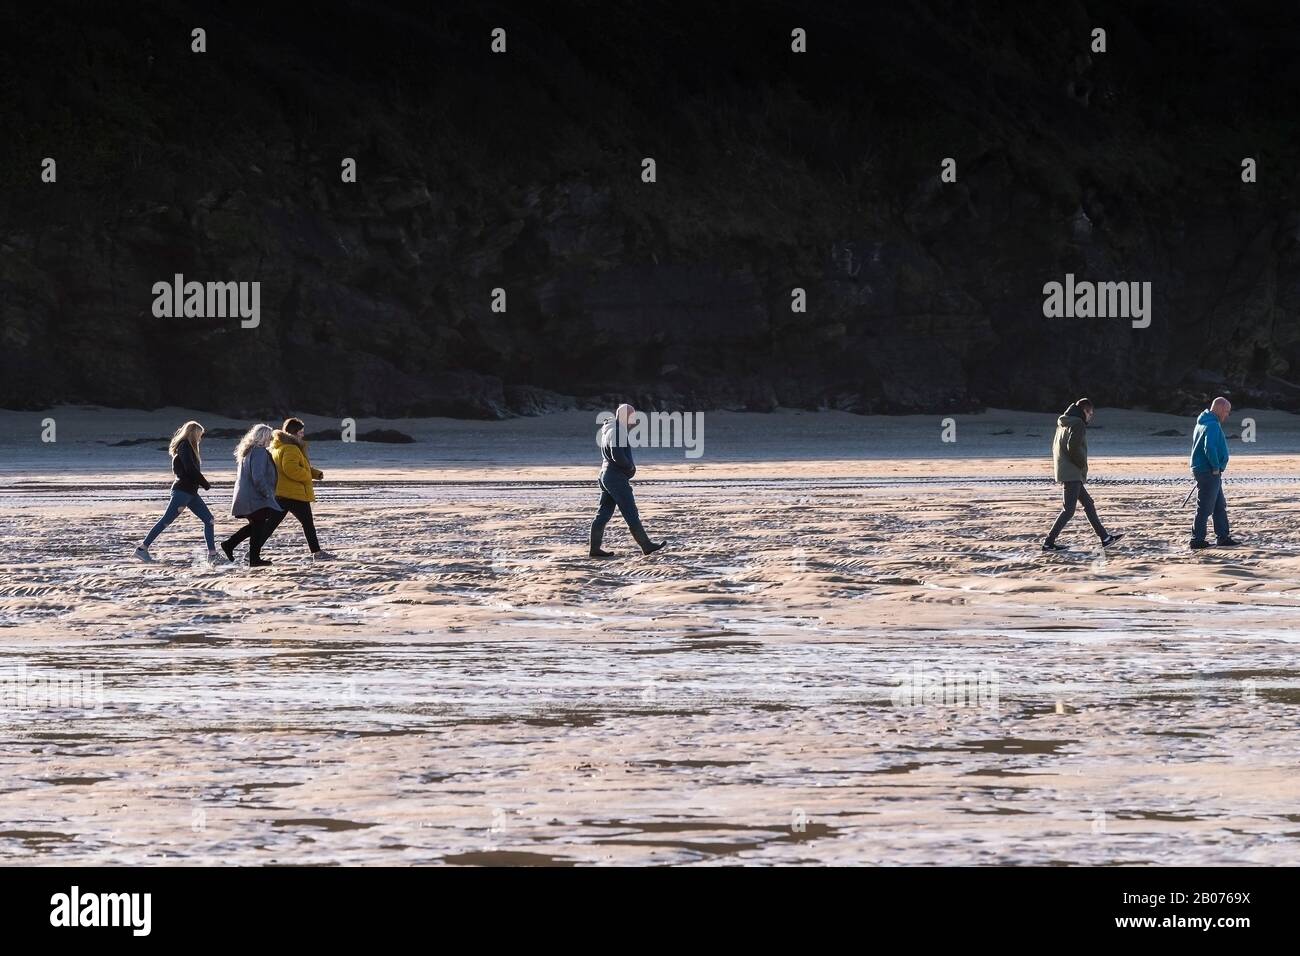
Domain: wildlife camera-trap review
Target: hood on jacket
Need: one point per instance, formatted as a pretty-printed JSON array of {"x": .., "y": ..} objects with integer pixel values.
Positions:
[
  {"x": 1206, "y": 417},
  {"x": 282, "y": 437},
  {"x": 1072, "y": 416}
]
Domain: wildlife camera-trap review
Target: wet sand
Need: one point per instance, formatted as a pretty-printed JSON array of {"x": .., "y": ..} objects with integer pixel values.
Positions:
[{"x": 465, "y": 686}]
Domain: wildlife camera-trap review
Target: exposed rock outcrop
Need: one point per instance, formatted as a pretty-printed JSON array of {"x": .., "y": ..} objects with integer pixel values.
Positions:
[{"x": 522, "y": 172}]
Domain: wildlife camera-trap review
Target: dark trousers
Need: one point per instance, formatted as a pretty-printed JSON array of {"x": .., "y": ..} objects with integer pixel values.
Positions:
[
  {"x": 1210, "y": 501},
  {"x": 616, "y": 491},
  {"x": 1073, "y": 494},
  {"x": 300, "y": 510},
  {"x": 256, "y": 532}
]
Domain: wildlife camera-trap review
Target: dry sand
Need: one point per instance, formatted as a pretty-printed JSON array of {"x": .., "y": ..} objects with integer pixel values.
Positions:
[{"x": 465, "y": 686}]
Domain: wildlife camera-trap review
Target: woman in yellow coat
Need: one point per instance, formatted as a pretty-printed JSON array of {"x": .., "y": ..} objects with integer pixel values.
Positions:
[{"x": 293, "y": 483}]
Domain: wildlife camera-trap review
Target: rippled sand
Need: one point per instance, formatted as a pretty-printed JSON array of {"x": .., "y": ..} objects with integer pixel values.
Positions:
[{"x": 465, "y": 686}]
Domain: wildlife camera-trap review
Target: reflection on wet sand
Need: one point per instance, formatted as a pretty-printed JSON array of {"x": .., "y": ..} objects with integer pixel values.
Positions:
[{"x": 465, "y": 687}]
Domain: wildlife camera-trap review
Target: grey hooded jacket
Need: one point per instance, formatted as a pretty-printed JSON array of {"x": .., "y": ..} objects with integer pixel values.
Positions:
[{"x": 254, "y": 483}]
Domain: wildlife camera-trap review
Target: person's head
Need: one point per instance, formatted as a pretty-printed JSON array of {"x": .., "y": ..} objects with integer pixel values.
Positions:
[
  {"x": 1222, "y": 408},
  {"x": 1085, "y": 408},
  {"x": 190, "y": 433},
  {"x": 259, "y": 436},
  {"x": 624, "y": 414},
  {"x": 293, "y": 426}
]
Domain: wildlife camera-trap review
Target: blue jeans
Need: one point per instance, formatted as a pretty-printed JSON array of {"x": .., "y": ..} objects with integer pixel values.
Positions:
[
  {"x": 1210, "y": 501},
  {"x": 180, "y": 501},
  {"x": 616, "y": 490}
]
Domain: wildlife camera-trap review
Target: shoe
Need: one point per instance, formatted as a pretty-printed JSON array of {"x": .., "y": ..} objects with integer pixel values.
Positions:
[
  {"x": 258, "y": 563},
  {"x": 322, "y": 556},
  {"x": 1199, "y": 545},
  {"x": 143, "y": 554},
  {"x": 600, "y": 553},
  {"x": 1053, "y": 546},
  {"x": 1110, "y": 539},
  {"x": 212, "y": 556},
  {"x": 1228, "y": 543},
  {"x": 651, "y": 547},
  {"x": 230, "y": 552}
]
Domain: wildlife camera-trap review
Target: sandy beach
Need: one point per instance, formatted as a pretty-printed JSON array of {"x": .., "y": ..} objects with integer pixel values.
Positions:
[{"x": 465, "y": 686}]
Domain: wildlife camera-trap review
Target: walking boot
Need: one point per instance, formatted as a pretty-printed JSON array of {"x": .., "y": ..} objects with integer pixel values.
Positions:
[
  {"x": 647, "y": 546},
  {"x": 594, "y": 550}
]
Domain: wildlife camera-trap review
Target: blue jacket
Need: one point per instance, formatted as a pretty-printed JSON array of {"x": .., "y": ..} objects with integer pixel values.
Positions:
[{"x": 1209, "y": 445}]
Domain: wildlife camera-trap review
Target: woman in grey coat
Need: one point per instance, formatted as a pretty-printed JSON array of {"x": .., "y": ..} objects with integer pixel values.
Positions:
[{"x": 254, "y": 498}]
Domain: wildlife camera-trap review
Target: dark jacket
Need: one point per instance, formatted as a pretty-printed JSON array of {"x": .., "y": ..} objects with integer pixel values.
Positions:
[
  {"x": 614, "y": 455},
  {"x": 1070, "y": 446},
  {"x": 185, "y": 466}
]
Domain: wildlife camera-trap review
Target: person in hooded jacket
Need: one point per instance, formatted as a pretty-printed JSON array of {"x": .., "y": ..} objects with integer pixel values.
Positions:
[
  {"x": 293, "y": 486},
  {"x": 617, "y": 469},
  {"x": 254, "y": 498},
  {"x": 1209, "y": 461},
  {"x": 1070, "y": 465}
]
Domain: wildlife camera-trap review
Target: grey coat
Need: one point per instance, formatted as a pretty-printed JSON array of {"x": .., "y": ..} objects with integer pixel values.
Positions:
[{"x": 254, "y": 483}]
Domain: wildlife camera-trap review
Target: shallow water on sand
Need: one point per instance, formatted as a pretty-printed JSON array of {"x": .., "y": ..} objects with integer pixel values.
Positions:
[{"x": 464, "y": 686}]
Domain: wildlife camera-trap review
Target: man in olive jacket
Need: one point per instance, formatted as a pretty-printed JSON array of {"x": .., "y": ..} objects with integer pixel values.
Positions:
[{"x": 1070, "y": 460}]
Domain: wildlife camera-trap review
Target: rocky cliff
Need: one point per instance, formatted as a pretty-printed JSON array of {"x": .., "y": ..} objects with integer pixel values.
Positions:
[{"x": 522, "y": 171}]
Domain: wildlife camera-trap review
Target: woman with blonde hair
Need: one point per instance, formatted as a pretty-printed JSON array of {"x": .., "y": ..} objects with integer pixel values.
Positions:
[
  {"x": 186, "y": 466},
  {"x": 254, "y": 498}
]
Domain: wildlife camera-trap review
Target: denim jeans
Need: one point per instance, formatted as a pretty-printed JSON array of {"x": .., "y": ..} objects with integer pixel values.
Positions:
[
  {"x": 1210, "y": 501},
  {"x": 180, "y": 501},
  {"x": 616, "y": 491}
]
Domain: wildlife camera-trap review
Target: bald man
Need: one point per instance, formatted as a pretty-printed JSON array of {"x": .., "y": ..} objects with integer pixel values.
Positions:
[
  {"x": 1209, "y": 460},
  {"x": 616, "y": 472}
]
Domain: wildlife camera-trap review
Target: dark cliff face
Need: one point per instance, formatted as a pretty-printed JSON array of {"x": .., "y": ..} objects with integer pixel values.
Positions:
[{"x": 522, "y": 171}]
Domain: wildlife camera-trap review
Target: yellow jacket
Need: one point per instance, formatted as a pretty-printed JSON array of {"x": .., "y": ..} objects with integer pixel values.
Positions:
[{"x": 294, "y": 473}]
